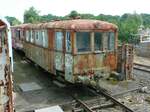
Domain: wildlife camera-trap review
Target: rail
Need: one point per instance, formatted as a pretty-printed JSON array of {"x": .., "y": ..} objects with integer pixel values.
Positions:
[
  {"x": 103, "y": 100},
  {"x": 116, "y": 102},
  {"x": 84, "y": 105},
  {"x": 142, "y": 67}
]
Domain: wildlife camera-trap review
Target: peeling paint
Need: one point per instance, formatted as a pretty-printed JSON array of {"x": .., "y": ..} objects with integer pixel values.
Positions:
[{"x": 69, "y": 68}]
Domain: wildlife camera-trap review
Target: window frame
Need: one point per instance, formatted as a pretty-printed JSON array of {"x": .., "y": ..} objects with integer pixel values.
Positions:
[
  {"x": 102, "y": 49},
  {"x": 45, "y": 42},
  {"x": 32, "y": 36},
  {"x": 109, "y": 46},
  {"x": 66, "y": 42},
  {"x": 63, "y": 37},
  {"x": 27, "y": 36},
  {"x": 75, "y": 43},
  {"x": 92, "y": 42}
]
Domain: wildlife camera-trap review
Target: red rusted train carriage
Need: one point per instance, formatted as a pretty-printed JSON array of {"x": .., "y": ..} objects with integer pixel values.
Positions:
[
  {"x": 79, "y": 50},
  {"x": 6, "y": 68}
]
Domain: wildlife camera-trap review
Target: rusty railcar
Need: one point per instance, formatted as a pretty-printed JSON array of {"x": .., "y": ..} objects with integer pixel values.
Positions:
[
  {"x": 77, "y": 50},
  {"x": 17, "y": 36},
  {"x": 6, "y": 67}
]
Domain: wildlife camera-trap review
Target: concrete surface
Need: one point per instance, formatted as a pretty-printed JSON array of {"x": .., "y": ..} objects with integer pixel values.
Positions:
[{"x": 50, "y": 94}]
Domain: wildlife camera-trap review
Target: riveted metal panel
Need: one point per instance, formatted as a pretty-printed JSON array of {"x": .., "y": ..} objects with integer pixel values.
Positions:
[{"x": 87, "y": 63}]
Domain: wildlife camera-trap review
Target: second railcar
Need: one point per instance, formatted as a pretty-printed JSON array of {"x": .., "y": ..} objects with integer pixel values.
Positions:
[{"x": 78, "y": 50}]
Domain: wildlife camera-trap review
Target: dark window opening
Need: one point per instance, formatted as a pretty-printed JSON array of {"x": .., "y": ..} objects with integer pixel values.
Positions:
[
  {"x": 68, "y": 42},
  {"x": 98, "y": 41},
  {"x": 83, "y": 41}
]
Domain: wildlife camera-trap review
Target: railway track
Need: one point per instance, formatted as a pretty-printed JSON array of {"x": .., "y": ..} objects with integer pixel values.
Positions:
[
  {"x": 103, "y": 100},
  {"x": 141, "y": 67}
]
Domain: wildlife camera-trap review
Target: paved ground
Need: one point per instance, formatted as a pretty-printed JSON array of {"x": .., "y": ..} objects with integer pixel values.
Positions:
[
  {"x": 51, "y": 94},
  {"x": 48, "y": 95}
]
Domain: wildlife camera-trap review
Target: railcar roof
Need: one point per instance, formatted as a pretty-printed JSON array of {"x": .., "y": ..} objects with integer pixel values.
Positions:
[
  {"x": 1, "y": 23},
  {"x": 77, "y": 24}
]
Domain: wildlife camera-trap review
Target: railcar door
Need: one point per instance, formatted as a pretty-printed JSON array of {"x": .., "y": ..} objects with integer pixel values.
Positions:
[
  {"x": 59, "y": 51},
  {"x": 68, "y": 58}
]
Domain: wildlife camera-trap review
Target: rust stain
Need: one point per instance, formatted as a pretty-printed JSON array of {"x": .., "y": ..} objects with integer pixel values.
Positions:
[
  {"x": 79, "y": 24},
  {"x": 85, "y": 63},
  {"x": 110, "y": 61}
]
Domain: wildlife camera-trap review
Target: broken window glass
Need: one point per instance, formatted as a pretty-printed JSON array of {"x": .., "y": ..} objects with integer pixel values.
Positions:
[
  {"x": 83, "y": 41},
  {"x": 59, "y": 41},
  {"x": 97, "y": 41},
  {"x": 68, "y": 42}
]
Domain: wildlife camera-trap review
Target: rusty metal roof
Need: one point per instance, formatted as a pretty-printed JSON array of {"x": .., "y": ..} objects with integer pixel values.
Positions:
[
  {"x": 77, "y": 24},
  {"x": 1, "y": 23},
  {"x": 21, "y": 25}
]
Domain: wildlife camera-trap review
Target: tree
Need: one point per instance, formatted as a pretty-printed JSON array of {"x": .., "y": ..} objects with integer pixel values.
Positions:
[
  {"x": 128, "y": 25},
  {"x": 49, "y": 17},
  {"x": 145, "y": 19},
  {"x": 12, "y": 20},
  {"x": 87, "y": 16},
  {"x": 73, "y": 14},
  {"x": 31, "y": 15}
]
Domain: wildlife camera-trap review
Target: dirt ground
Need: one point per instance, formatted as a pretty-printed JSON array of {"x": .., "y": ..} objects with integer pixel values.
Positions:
[{"x": 51, "y": 94}]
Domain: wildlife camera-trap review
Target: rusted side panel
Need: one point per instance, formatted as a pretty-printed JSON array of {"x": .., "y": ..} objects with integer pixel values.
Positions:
[
  {"x": 51, "y": 50},
  {"x": 51, "y": 61},
  {"x": 111, "y": 61},
  {"x": 51, "y": 38},
  {"x": 59, "y": 61},
  {"x": 90, "y": 63},
  {"x": 41, "y": 56},
  {"x": 44, "y": 57},
  {"x": 6, "y": 88},
  {"x": 69, "y": 68},
  {"x": 87, "y": 62}
]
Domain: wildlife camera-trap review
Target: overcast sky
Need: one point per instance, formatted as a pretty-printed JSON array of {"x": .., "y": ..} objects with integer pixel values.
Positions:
[{"x": 63, "y": 7}]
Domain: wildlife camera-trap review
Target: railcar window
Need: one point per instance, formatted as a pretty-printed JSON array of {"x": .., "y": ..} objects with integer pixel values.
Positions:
[
  {"x": 31, "y": 36},
  {"x": 36, "y": 35},
  {"x": 45, "y": 38},
  {"x": 58, "y": 41},
  {"x": 18, "y": 34},
  {"x": 83, "y": 41},
  {"x": 39, "y": 38},
  {"x": 27, "y": 36},
  {"x": 68, "y": 42},
  {"x": 111, "y": 41},
  {"x": 98, "y": 41}
]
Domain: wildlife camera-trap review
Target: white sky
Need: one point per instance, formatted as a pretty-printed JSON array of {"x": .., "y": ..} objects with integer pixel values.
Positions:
[{"x": 63, "y": 7}]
